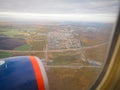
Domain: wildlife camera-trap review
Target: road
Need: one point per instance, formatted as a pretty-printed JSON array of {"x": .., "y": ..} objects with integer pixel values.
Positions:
[
  {"x": 61, "y": 50},
  {"x": 71, "y": 67}
]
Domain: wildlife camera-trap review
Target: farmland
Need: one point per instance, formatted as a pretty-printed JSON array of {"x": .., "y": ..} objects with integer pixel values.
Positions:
[{"x": 66, "y": 50}]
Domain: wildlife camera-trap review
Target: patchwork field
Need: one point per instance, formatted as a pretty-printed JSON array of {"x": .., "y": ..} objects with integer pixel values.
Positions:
[{"x": 72, "y": 54}]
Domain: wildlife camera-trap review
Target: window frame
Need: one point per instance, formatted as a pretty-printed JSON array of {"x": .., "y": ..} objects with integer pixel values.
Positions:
[{"x": 108, "y": 78}]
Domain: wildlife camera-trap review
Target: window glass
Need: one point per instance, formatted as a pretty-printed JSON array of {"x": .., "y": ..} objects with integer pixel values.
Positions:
[{"x": 71, "y": 37}]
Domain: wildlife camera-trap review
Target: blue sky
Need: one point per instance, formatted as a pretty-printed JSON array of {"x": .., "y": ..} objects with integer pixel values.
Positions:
[{"x": 105, "y": 8}]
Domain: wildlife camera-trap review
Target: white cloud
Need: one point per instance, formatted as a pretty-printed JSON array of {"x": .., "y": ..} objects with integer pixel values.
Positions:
[
  {"x": 59, "y": 6},
  {"x": 75, "y": 10}
]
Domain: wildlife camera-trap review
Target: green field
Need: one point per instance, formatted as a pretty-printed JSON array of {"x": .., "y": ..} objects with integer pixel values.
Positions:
[
  {"x": 11, "y": 32},
  {"x": 23, "y": 48},
  {"x": 5, "y": 54}
]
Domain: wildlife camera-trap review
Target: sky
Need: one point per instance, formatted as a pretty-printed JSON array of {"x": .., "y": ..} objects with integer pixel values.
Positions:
[{"x": 75, "y": 10}]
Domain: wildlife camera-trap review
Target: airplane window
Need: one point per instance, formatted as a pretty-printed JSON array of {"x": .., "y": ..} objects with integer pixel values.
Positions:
[{"x": 71, "y": 37}]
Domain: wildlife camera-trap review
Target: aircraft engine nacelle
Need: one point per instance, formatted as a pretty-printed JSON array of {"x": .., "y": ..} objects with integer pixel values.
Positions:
[{"x": 23, "y": 73}]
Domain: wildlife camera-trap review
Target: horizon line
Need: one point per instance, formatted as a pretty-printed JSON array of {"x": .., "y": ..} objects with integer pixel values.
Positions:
[{"x": 59, "y": 17}]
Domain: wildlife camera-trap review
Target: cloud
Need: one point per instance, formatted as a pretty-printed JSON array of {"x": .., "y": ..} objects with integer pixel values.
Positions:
[
  {"x": 60, "y": 6},
  {"x": 75, "y": 10}
]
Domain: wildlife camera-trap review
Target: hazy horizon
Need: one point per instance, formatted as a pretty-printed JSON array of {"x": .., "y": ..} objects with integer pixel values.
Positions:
[{"x": 13, "y": 16}]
